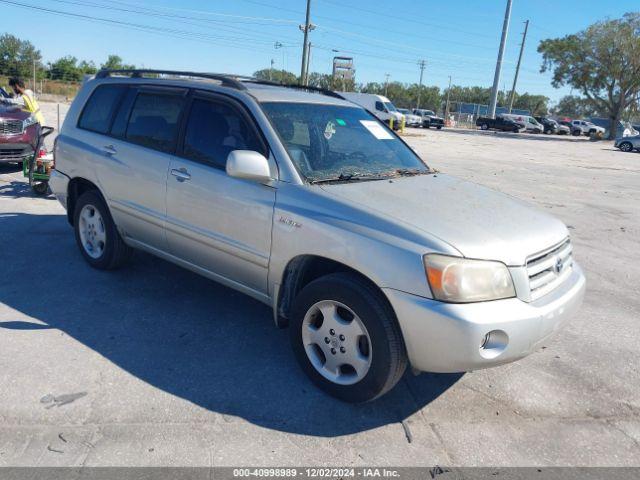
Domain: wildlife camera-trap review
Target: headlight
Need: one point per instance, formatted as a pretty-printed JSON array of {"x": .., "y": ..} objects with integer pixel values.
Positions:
[
  {"x": 27, "y": 122},
  {"x": 460, "y": 280}
]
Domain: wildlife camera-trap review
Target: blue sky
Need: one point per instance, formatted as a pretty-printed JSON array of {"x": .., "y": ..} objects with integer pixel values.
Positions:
[{"x": 456, "y": 37}]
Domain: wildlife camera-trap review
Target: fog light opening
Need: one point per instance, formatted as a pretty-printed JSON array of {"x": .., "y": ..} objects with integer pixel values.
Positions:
[{"x": 493, "y": 344}]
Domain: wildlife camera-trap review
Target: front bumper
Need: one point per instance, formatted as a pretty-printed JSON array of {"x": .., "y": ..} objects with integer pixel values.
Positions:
[
  {"x": 15, "y": 152},
  {"x": 446, "y": 337}
]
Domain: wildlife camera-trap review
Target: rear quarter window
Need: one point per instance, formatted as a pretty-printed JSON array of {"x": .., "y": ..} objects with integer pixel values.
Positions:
[{"x": 99, "y": 109}]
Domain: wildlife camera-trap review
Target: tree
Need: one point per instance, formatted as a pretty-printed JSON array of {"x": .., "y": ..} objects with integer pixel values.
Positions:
[
  {"x": 278, "y": 76},
  {"x": 536, "y": 104},
  {"x": 65, "y": 69},
  {"x": 114, "y": 62},
  {"x": 573, "y": 106},
  {"x": 602, "y": 62},
  {"x": 17, "y": 57}
]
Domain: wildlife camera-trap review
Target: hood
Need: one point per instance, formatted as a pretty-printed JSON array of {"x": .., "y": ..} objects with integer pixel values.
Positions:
[
  {"x": 478, "y": 222},
  {"x": 13, "y": 112}
]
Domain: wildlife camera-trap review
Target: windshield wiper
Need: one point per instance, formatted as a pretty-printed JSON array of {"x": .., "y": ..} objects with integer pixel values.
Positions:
[{"x": 350, "y": 177}]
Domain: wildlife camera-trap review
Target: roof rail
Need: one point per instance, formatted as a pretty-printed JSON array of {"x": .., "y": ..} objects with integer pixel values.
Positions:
[
  {"x": 226, "y": 80},
  {"x": 309, "y": 88}
]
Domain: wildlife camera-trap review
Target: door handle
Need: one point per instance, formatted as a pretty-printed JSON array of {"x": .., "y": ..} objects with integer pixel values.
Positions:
[
  {"x": 109, "y": 149},
  {"x": 181, "y": 174}
]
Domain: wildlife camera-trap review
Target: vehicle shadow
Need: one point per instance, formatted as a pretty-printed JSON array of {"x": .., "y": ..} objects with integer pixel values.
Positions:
[{"x": 185, "y": 335}]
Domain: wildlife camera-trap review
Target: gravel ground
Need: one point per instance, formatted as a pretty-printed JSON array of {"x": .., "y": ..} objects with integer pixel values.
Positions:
[{"x": 153, "y": 365}]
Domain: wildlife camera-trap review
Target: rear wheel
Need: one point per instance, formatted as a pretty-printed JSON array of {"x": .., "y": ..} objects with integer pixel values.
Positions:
[
  {"x": 626, "y": 146},
  {"x": 346, "y": 338},
  {"x": 576, "y": 133},
  {"x": 484, "y": 126},
  {"x": 439, "y": 127},
  {"x": 96, "y": 235}
]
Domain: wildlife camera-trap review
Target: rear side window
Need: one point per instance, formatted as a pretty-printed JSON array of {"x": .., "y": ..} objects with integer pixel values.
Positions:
[
  {"x": 100, "y": 107},
  {"x": 154, "y": 119},
  {"x": 214, "y": 129}
]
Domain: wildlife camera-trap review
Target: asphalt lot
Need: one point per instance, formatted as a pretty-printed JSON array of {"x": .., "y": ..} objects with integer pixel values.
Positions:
[{"x": 153, "y": 365}]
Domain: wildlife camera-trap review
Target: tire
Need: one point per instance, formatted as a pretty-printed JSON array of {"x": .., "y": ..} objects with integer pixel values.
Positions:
[
  {"x": 97, "y": 229},
  {"x": 626, "y": 147},
  {"x": 484, "y": 126},
  {"x": 576, "y": 133},
  {"x": 41, "y": 188},
  {"x": 516, "y": 130},
  {"x": 428, "y": 125},
  {"x": 439, "y": 127},
  {"x": 359, "y": 324}
]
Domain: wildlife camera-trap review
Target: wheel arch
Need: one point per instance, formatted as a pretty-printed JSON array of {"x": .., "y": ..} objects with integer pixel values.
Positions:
[
  {"x": 77, "y": 186},
  {"x": 302, "y": 270}
]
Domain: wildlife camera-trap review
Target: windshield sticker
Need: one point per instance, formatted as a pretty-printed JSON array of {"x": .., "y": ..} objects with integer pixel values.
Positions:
[
  {"x": 329, "y": 130},
  {"x": 340, "y": 122},
  {"x": 376, "y": 130}
]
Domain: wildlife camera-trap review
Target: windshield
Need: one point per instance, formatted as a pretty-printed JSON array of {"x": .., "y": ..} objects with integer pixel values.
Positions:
[
  {"x": 429, "y": 112},
  {"x": 390, "y": 106},
  {"x": 328, "y": 142}
]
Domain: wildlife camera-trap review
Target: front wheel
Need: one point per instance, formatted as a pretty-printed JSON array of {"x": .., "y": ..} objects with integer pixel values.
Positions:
[
  {"x": 484, "y": 126},
  {"x": 346, "y": 338},
  {"x": 626, "y": 146},
  {"x": 96, "y": 235},
  {"x": 439, "y": 127},
  {"x": 40, "y": 188}
]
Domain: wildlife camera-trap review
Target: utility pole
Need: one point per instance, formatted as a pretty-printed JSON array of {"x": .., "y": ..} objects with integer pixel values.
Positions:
[
  {"x": 306, "y": 75},
  {"x": 446, "y": 110},
  {"x": 496, "y": 77},
  {"x": 515, "y": 78},
  {"x": 305, "y": 46},
  {"x": 422, "y": 64},
  {"x": 386, "y": 83}
]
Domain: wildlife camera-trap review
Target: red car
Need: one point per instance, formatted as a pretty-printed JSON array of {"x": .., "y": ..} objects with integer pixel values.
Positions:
[{"x": 18, "y": 133}]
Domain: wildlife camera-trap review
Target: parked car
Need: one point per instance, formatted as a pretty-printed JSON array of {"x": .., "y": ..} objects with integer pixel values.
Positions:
[
  {"x": 563, "y": 129},
  {"x": 628, "y": 144},
  {"x": 18, "y": 133},
  {"x": 429, "y": 118},
  {"x": 572, "y": 129},
  {"x": 379, "y": 105},
  {"x": 549, "y": 124},
  {"x": 310, "y": 204},
  {"x": 529, "y": 124},
  {"x": 410, "y": 119},
  {"x": 498, "y": 123},
  {"x": 3, "y": 93},
  {"x": 585, "y": 127}
]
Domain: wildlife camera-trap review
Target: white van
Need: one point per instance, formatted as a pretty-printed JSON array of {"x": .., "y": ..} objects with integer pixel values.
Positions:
[
  {"x": 379, "y": 105},
  {"x": 528, "y": 123}
]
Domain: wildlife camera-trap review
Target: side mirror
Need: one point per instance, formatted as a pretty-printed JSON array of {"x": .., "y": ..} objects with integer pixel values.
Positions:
[{"x": 248, "y": 165}]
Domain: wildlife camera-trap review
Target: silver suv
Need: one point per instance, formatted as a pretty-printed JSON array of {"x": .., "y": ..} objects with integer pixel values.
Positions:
[{"x": 308, "y": 203}]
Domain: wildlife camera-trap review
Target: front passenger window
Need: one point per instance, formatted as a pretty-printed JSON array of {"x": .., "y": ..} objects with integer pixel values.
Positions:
[{"x": 214, "y": 130}]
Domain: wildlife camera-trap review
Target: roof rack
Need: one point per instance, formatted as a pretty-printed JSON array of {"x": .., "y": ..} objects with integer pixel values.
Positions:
[
  {"x": 296, "y": 86},
  {"x": 226, "y": 80}
]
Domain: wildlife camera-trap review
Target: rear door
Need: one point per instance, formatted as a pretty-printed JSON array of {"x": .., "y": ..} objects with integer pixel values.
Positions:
[
  {"x": 216, "y": 222},
  {"x": 142, "y": 139}
]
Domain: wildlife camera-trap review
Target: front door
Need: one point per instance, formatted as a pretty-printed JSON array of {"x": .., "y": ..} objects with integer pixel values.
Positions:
[{"x": 214, "y": 221}]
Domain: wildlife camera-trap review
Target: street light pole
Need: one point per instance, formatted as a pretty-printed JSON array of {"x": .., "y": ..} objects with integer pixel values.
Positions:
[
  {"x": 386, "y": 83},
  {"x": 496, "y": 77},
  {"x": 515, "y": 78}
]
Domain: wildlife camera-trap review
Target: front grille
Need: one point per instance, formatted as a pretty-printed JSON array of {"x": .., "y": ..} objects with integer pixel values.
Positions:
[
  {"x": 548, "y": 269},
  {"x": 14, "y": 154},
  {"x": 11, "y": 127}
]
